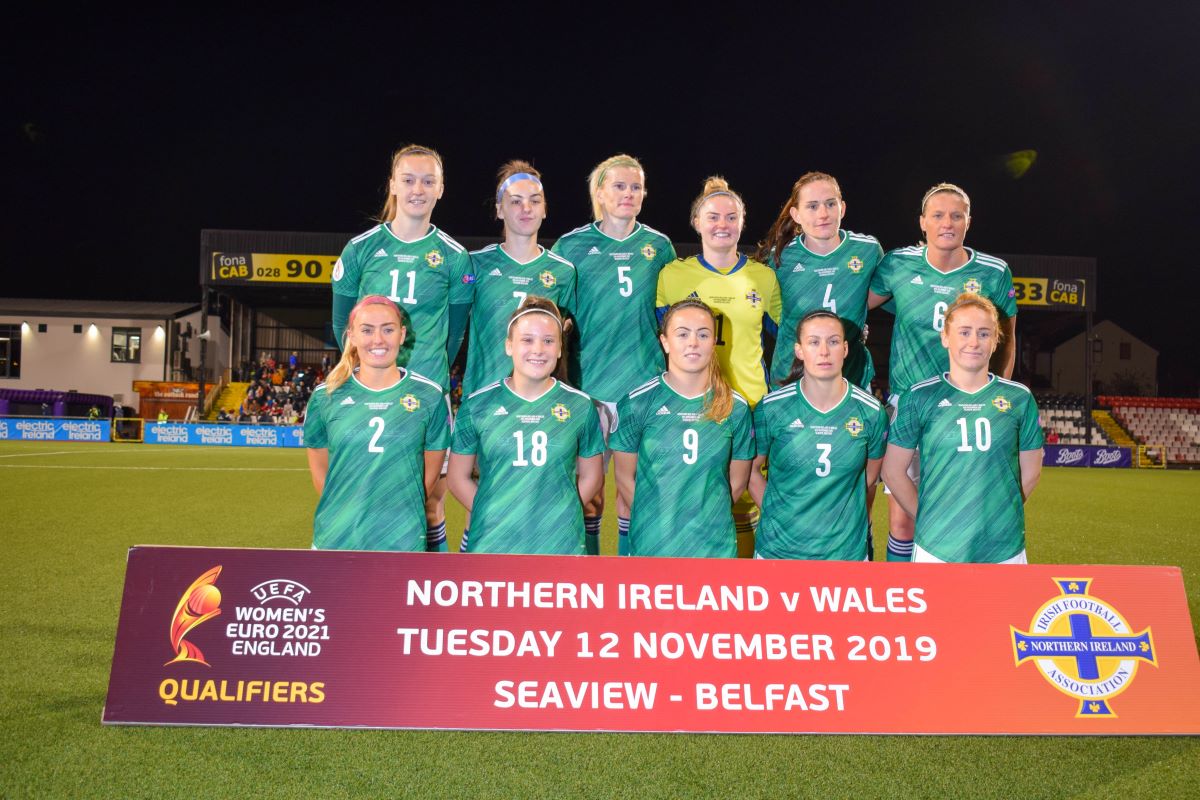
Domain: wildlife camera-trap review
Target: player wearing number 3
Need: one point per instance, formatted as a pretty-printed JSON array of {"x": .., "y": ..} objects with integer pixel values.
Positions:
[
  {"x": 537, "y": 444},
  {"x": 376, "y": 436},
  {"x": 683, "y": 446},
  {"x": 981, "y": 448}
]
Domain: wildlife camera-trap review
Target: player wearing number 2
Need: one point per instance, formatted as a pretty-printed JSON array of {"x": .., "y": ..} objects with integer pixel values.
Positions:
[
  {"x": 819, "y": 265},
  {"x": 825, "y": 439},
  {"x": 923, "y": 281},
  {"x": 506, "y": 273},
  {"x": 743, "y": 294},
  {"x": 683, "y": 446},
  {"x": 376, "y": 436},
  {"x": 536, "y": 442},
  {"x": 617, "y": 260},
  {"x": 981, "y": 448}
]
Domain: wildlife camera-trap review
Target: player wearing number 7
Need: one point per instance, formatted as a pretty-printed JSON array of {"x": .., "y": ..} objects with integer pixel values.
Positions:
[
  {"x": 683, "y": 446},
  {"x": 825, "y": 439},
  {"x": 923, "y": 281},
  {"x": 981, "y": 448},
  {"x": 376, "y": 436},
  {"x": 506, "y": 273},
  {"x": 536, "y": 442}
]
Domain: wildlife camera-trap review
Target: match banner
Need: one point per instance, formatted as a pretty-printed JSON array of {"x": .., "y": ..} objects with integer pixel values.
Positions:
[
  {"x": 413, "y": 640},
  {"x": 48, "y": 429},
  {"x": 1057, "y": 455},
  {"x": 230, "y": 434}
]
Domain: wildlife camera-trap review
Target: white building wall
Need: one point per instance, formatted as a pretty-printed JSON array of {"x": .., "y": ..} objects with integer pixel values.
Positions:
[{"x": 1068, "y": 361}]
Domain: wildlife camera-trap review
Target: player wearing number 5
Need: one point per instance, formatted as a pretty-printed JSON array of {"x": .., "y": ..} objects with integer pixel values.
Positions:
[
  {"x": 683, "y": 446},
  {"x": 536, "y": 442},
  {"x": 506, "y": 273},
  {"x": 825, "y": 439},
  {"x": 376, "y": 436},
  {"x": 923, "y": 281},
  {"x": 981, "y": 448}
]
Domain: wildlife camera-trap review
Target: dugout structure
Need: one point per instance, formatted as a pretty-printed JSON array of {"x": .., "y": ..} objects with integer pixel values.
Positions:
[{"x": 271, "y": 290}]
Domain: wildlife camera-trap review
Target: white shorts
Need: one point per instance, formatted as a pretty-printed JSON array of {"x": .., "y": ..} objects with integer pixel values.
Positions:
[
  {"x": 608, "y": 424},
  {"x": 925, "y": 557},
  {"x": 445, "y": 463}
]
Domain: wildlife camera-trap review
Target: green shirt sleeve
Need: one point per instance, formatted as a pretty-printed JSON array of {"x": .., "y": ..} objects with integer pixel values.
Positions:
[
  {"x": 315, "y": 435},
  {"x": 437, "y": 425},
  {"x": 878, "y": 433},
  {"x": 591, "y": 438},
  {"x": 906, "y": 428},
  {"x": 466, "y": 438},
  {"x": 628, "y": 434},
  {"x": 1030, "y": 436},
  {"x": 743, "y": 432}
]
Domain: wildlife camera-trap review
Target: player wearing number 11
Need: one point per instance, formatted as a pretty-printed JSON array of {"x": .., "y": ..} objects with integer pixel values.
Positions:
[
  {"x": 981, "y": 449},
  {"x": 376, "y": 436},
  {"x": 536, "y": 442}
]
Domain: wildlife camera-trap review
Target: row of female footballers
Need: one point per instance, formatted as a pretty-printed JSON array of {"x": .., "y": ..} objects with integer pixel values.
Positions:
[{"x": 701, "y": 447}]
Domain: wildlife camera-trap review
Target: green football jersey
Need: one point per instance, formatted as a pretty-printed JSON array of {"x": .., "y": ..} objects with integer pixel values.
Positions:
[
  {"x": 969, "y": 505},
  {"x": 528, "y": 497},
  {"x": 681, "y": 502},
  {"x": 374, "y": 495},
  {"x": 423, "y": 278},
  {"x": 815, "y": 504},
  {"x": 501, "y": 284},
  {"x": 838, "y": 282},
  {"x": 616, "y": 280},
  {"x": 922, "y": 294}
]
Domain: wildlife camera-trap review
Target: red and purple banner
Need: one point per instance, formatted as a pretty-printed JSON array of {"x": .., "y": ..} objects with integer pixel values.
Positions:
[
  {"x": 396, "y": 640},
  {"x": 1078, "y": 455}
]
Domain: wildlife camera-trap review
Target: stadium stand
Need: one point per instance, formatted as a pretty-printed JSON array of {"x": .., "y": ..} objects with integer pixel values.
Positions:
[
  {"x": 1066, "y": 416},
  {"x": 1171, "y": 422},
  {"x": 229, "y": 399}
]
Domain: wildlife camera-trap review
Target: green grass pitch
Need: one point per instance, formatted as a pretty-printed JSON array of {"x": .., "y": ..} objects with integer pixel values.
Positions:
[{"x": 68, "y": 513}]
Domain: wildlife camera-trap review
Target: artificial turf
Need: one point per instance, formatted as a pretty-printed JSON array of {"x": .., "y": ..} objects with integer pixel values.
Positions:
[{"x": 68, "y": 513}]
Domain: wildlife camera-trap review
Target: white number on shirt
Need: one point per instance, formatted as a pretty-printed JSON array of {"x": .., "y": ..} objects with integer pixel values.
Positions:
[
  {"x": 537, "y": 449},
  {"x": 409, "y": 298},
  {"x": 625, "y": 281},
  {"x": 520, "y": 297},
  {"x": 829, "y": 301},
  {"x": 939, "y": 316},
  {"x": 983, "y": 434},
  {"x": 823, "y": 463},
  {"x": 378, "y": 424},
  {"x": 691, "y": 446}
]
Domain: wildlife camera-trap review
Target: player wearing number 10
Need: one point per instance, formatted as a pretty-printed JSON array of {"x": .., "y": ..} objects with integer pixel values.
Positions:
[
  {"x": 981, "y": 449},
  {"x": 376, "y": 436},
  {"x": 505, "y": 274},
  {"x": 537, "y": 444},
  {"x": 683, "y": 446}
]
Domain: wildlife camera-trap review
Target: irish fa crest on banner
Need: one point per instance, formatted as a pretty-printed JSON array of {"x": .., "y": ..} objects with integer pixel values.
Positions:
[{"x": 1083, "y": 647}]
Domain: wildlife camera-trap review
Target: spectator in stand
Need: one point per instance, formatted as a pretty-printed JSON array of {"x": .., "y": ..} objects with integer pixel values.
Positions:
[
  {"x": 162, "y": 416},
  {"x": 224, "y": 415},
  {"x": 1052, "y": 436}
]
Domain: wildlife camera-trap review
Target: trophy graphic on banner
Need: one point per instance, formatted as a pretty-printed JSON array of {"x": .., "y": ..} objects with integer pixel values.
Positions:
[{"x": 201, "y": 602}]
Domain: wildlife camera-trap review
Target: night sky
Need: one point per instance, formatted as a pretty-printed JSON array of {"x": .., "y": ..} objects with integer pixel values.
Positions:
[{"x": 125, "y": 135}]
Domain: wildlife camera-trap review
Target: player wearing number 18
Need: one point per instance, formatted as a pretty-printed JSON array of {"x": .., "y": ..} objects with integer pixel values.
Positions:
[
  {"x": 536, "y": 442},
  {"x": 683, "y": 446},
  {"x": 376, "y": 436},
  {"x": 825, "y": 439},
  {"x": 981, "y": 448}
]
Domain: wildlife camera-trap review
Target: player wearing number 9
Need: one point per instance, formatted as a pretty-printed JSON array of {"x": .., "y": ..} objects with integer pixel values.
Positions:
[
  {"x": 506, "y": 273},
  {"x": 981, "y": 448},
  {"x": 683, "y": 446},
  {"x": 536, "y": 443},
  {"x": 376, "y": 436},
  {"x": 825, "y": 439}
]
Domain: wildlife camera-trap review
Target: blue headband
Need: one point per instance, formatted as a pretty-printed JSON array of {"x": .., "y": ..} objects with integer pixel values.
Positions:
[{"x": 511, "y": 179}]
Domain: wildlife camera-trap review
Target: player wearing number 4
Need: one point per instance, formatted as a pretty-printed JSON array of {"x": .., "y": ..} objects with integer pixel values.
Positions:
[
  {"x": 506, "y": 273},
  {"x": 537, "y": 444},
  {"x": 825, "y": 439},
  {"x": 981, "y": 448},
  {"x": 923, "y": 281},
  {"x": 743, "y": 294},
  {"x": 617, "y": 260},
  {"x": 683, "y": 446},
  {"x": 376, "y": 436},
  {"x": 421, "y": 269}
]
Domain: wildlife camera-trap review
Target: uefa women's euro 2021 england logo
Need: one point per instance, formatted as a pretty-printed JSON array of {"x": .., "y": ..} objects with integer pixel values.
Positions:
[{"x": 1083, "y": 647}]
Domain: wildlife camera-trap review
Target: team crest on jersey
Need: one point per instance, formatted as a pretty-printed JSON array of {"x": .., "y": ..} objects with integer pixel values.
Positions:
[
  {"x": 338, "y": 270},
  {"x": 547, "y": 279},
  {"x": 649, "y": 252},
  {"x": 754, "y": 297},
  {"x": 434, "y": 259},
  {"x": 854, "y": 426},
  {"x": 1001, "y": 403},
  {"x": 1083, "y": 647},
  {"x": 560, "y": 412},
  {"x": 972, "y": 286},
  {"x": 410, "y": 403},
  {"x": 855, "y": 265}
]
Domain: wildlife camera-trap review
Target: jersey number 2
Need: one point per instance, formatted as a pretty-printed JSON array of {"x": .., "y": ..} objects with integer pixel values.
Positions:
[{"x": 377, "y": 424}]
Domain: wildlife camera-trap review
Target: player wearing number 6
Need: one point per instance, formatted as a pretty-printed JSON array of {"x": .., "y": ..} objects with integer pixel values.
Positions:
[
  {"x": 981, "y": 448},
  {"x": 376, "y": 436},
  {"x": 825, "y": 439},
  {"x": 536, "y": 442},
  {"x": 683, "y": 446},
  {"x": 506, "y": 273}
]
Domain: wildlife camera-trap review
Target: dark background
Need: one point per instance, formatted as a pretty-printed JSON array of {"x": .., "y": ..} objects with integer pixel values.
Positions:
[{"x": 125, "y": 133}]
